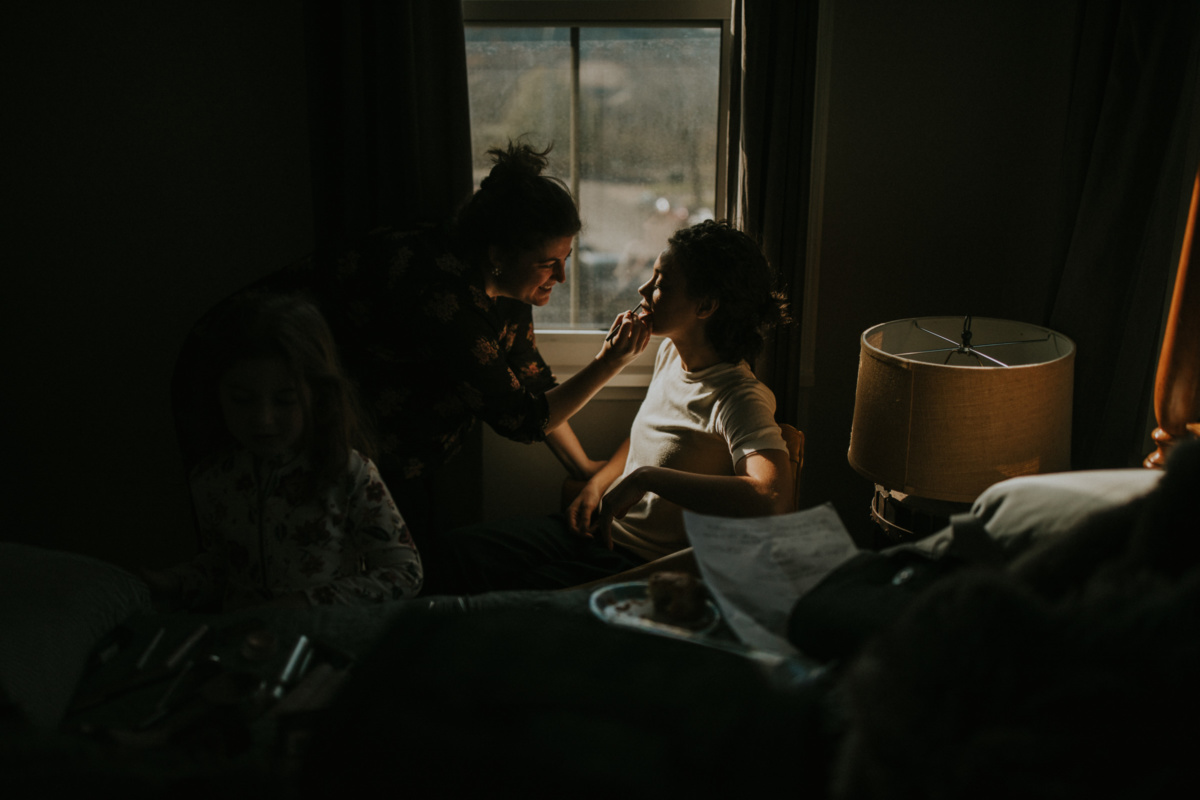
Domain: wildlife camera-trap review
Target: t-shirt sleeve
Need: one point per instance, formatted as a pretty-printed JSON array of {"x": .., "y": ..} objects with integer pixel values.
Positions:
[{"x": 747, "y": 421}]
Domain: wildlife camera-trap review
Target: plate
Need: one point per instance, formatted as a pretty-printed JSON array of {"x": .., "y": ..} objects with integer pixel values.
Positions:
[{"x": 629, "y": 604}]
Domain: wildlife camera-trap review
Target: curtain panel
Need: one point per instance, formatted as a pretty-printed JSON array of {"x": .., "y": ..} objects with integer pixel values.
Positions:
[
  {"x": 389, "y": 115},
  {"x": 1131, "y": 152},
  {"x": 769, "y": 157},
  {"x": 390, "y": 127}
]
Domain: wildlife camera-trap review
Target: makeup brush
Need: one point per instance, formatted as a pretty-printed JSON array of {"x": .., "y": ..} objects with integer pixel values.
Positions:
[{"x": 634, "y": 311}]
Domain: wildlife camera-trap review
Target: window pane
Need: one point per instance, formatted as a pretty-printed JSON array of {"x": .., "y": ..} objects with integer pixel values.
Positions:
[
  {"x": 519, "y": 81},
  {"x": 647, "y": 150}
]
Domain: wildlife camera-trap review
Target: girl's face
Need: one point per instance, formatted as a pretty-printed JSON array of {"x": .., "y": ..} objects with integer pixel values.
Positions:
[
  {"x": 667, "y": 307},
  {"x": 263, "y": 405},
  {"x": 531, "y": 275}
]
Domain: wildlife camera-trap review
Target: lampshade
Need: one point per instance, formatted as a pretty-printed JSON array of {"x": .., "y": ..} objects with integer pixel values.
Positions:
[{"x": 947, "y": 406}]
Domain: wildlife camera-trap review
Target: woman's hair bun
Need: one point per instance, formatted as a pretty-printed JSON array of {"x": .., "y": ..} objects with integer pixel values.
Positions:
[
  {"x": 518, "y": 162},
  {"x": 517, "y": 207}
]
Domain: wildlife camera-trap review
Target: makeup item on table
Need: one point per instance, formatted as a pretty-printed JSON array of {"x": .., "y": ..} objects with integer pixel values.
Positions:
[
  {"x": 613, "y": 333},
  {"x": 259, "y": 645},
  {"x": 297, "y": 662},
  {"x": 188, "y": 643},
  {"x": 143, "y": 674},
  {"x": 163, "y": 706},
  {"x": 144, "y": 658},
  {"x": 110, "y": 644}
]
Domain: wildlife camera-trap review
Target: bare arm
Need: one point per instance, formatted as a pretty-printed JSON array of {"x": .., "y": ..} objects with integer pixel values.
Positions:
[
  {"x": 567, "y": 448},
  {"x": 583, "y": 514},
  {"x": 759, "y": 487},
  {"x": 630, "y": 339}
]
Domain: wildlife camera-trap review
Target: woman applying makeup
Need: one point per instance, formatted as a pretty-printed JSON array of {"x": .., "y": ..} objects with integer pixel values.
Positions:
[{"x": 435, "y": 325}]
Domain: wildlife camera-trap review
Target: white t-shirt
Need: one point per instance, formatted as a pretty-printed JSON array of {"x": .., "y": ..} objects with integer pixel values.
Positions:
[{"x": 702, "y": 422}]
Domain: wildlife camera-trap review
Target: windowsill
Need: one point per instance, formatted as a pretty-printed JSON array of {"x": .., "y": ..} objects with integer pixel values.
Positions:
[{"x": 567, "y": 351}]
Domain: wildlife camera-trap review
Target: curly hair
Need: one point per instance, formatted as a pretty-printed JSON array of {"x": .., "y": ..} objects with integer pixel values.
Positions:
[
  {"x": 516, "y": 207},
  {"x": 723, "y": 263}
]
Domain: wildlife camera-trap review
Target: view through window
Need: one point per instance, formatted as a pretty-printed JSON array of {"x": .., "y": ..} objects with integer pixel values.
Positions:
[{"x": 632, "y": 114}]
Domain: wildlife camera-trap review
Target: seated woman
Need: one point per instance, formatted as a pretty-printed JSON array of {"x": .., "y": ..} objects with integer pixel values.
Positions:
[{"x": 705, "y": 437}]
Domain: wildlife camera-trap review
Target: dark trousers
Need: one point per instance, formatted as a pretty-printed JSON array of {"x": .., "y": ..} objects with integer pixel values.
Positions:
[{"x": 525, "y": 553}]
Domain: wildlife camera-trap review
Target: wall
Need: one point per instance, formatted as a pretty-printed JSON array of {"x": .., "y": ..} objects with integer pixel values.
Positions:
[
  {"x": 944, "y": 136},
  {"x": 155, "y": 159},
  {"x": 527, "y": 479}
]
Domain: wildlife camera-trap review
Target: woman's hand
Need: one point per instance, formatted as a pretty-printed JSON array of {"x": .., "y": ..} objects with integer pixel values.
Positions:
[
  {"x": 616, "y": 502},
  {"x": 581, "y": 514},
  {"x": 627, "y": 338}
]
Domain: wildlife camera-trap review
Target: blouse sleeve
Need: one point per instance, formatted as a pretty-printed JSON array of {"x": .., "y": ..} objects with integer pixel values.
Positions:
[
  {"x": 523, "y": 356},
  {"x": 506, "y": 391},
  {"x": 380, "y": 560},
  {"x": 747, "y": 421}
]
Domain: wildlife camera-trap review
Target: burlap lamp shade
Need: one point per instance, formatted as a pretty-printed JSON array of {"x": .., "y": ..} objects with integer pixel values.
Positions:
[{"x": 947, "y": 406}]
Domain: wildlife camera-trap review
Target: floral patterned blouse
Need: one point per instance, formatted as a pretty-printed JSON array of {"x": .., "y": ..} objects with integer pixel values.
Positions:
[
  {"x": 261, "y": 537},
  {"x": 430, "y": 351}
]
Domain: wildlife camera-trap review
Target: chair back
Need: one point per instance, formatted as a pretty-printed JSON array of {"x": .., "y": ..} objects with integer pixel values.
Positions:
[{"x": 795, "y": 445}]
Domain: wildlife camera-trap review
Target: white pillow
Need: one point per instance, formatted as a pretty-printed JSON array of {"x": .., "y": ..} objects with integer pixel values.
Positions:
[
  {"x": 55, "y": 607},
  {"x": 1021, "y": 511}
]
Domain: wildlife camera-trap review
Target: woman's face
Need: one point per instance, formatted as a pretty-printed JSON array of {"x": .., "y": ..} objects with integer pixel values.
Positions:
[
  {"x": 262, "y": 405},
  {"x": 531, "y": 275},
  {"x": 666, "y": 304}
]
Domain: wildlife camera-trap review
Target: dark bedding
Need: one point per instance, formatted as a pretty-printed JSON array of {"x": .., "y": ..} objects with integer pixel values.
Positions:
[
  {"x": 390, "y": 687},
  {"x": 93, "y": 699},
  {"x": 1015, "y": 678}
]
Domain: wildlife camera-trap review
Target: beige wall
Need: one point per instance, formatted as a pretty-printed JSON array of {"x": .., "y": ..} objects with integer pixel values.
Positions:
[
  {"x": 527, "y": 479},
  {"x": 943, "y": 150}
]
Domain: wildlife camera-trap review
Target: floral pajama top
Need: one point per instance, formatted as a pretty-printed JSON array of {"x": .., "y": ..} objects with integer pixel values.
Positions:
[{"x": 262, "y": 538}]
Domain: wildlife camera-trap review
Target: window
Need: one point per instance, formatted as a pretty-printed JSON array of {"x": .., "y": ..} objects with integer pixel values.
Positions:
[{"x": 631, "y": 95}]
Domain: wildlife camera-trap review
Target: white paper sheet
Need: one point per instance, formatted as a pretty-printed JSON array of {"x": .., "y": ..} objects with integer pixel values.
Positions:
[{"x": 757, "y": 568}]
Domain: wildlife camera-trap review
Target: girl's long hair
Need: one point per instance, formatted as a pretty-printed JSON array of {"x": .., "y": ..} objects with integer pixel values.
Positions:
[{"x": 291, "y": 327}]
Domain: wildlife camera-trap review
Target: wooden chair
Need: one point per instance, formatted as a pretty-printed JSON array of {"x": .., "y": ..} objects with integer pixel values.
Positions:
[{"x": 685, "y": 560}]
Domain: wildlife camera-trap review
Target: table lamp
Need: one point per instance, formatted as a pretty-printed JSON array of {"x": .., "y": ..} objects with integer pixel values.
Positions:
[{"x": 947, "y": 406}]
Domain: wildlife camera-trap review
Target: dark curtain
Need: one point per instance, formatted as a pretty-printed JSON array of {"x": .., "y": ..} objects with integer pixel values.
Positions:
[
  {"x": 389, "y": 115},
  {"x": 770, "y": 145},
  {"x": 1131, "y": 155}
]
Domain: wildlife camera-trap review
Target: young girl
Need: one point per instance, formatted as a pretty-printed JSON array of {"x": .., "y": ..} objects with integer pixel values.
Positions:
[{"x": 291, "y": 509}]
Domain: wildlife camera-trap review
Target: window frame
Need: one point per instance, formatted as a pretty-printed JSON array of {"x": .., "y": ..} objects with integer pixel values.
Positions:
[{"x": 566, "y": 351}]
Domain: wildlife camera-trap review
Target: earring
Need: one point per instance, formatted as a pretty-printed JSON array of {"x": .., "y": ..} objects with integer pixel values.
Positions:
[{"x": 496, "y": 270}]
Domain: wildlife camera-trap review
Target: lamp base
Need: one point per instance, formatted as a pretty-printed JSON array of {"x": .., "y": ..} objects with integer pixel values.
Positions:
[{"x": 905, "y": 518}]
